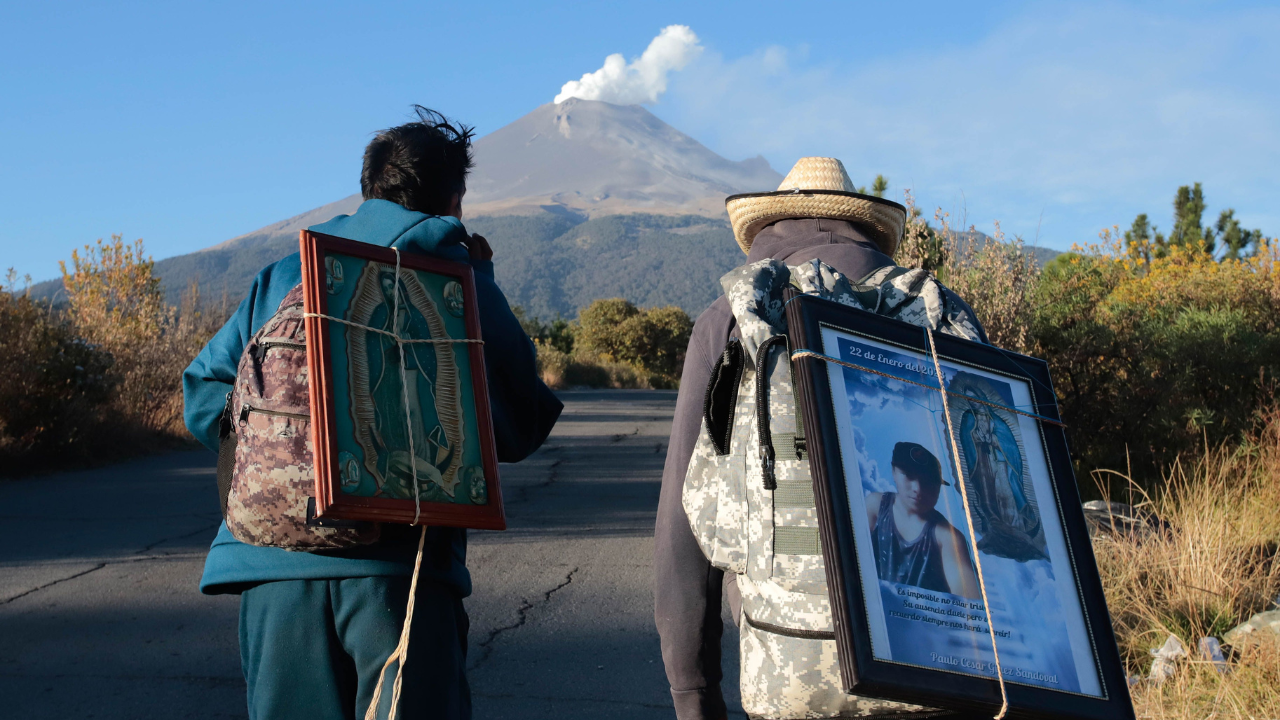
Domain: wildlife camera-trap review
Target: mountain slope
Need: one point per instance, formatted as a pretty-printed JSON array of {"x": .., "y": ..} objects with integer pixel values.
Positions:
[
  {"x": 596, "y": 158},
  {"x": 581, "y": 157},
  {"x": 551, "y": 264},
  {"x": 555, "y": 168},
  {"x": 647, "y": 259}
]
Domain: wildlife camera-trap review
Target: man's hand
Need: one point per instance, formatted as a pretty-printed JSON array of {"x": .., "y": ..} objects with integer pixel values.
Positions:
[{"x": 479, "y": 248}]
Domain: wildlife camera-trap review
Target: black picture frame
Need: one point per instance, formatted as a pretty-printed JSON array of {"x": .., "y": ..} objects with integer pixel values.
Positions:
[{"x": 865, "y": 673}]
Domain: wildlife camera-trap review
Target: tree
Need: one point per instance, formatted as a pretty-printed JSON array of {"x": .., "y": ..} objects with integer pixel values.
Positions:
[
  {"x": 1188, "y": 209},
  {"x": 52, "y": 383},
  {"x": 878, "y": 187},
  {"x": 115, "y": 301},
  {"x": 1144, "y": 239},
  {"x": 1235, "y": 239},
  {"x": 114, "y": 297},
  {"x": 558, "y": 333}
]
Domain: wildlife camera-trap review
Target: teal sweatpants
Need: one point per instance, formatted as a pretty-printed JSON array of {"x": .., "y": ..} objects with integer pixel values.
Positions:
[{"x": 312, "y": 649}]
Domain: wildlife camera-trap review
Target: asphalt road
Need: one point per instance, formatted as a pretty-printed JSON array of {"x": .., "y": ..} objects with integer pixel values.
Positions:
[{"x": 100, "y": 616}]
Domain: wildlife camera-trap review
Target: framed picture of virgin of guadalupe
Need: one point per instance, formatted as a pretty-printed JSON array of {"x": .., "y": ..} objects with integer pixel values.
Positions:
[
  {"x": 401, "y": 425},
  {"x": 954, "y": 542}
]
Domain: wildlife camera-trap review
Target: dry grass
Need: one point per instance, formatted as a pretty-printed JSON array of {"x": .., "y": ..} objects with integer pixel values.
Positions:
[
  {"x": 997, "y": 278},
  {"x": 100, "y": 378},
  {"x": 1209, "y": 565},
  {"x": 115, "y": 302}
]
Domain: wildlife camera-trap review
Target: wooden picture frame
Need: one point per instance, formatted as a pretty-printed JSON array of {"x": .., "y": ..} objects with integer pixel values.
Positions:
[
  {"x": 361, "y": 434},
  {"x": 905, "y": 631}
]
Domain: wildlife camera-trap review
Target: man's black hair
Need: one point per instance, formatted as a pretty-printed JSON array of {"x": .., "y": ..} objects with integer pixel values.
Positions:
[{"x": 420, "y": 165}]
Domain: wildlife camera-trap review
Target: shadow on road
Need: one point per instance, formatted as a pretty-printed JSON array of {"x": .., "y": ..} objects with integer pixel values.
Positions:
[{"x": 100, "y": 615}]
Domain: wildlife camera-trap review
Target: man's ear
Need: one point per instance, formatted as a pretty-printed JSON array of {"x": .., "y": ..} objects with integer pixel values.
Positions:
[{"x": 455, "y": 205}]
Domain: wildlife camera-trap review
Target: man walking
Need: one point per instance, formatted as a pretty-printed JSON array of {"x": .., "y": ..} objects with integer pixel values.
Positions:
[
  {"x": 814, "y": 215},
  {"x": 316, "y": 628}
]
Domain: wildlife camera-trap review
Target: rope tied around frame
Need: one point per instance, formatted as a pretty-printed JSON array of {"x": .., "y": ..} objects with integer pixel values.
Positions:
[
  {"x": 964, "y": 494},
  {"x": 404, "y": 382},
  {"x": 401, "y": 653},
  {"x": 968, "y": 518},
  {"x": 854, "y": 366}
]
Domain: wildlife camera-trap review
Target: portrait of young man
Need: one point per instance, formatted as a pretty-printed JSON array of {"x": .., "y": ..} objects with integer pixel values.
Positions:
[
  {"x": 913, "y": 543},
  {"x": 317, "y": 627}
]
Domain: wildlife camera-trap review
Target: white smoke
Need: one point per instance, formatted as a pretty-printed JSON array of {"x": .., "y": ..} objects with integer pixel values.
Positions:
[{"x": 642, "y": 80}]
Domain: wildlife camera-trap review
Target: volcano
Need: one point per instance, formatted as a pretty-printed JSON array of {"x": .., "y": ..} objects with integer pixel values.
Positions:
[
  {"x": 580, "y": 200},
  {"x": 584, "y": 158},
  {"x": 596, "y": 159}
]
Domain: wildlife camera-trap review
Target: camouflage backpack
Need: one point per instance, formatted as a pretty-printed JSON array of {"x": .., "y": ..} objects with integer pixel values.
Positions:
[
  {"x": 265, "y": 458},
  {"x": 749, "y": 496}
]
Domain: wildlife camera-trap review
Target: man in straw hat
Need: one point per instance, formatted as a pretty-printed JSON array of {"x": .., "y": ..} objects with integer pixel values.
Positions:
[{"x": 814, "y": 214}]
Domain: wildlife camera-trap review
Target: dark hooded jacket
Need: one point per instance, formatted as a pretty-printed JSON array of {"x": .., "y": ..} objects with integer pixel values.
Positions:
[{"x": 687, "y": 593}]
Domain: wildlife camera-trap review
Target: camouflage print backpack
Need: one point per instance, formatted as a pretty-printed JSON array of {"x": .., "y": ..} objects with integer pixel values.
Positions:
[
  {"x": 749, "y": 496},
  {"x": 266, "y": 476}
]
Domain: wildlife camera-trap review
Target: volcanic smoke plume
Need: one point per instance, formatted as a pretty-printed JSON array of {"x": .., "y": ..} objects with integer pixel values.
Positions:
[{"x": 643, "y": 79}]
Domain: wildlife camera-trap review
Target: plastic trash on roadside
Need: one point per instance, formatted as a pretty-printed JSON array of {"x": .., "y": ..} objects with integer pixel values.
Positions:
[
  {"x": 1166, "y": 657},
  {"x": 1211, "y": 651}
]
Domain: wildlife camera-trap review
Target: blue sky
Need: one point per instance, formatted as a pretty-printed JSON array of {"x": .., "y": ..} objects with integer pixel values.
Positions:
[{"x": 189, "y": 123}]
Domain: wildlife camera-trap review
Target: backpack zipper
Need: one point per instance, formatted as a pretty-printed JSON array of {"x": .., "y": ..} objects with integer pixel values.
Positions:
[
  {"x": 280, "y": 342},
  {"x": 246, "y": 409},
  {"x": 265, "y": 344}
]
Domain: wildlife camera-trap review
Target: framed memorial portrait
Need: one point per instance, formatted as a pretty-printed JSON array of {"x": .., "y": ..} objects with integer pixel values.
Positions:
[
  {"x": 888, "y": 457},
  {"x": 401, "y": 421}
]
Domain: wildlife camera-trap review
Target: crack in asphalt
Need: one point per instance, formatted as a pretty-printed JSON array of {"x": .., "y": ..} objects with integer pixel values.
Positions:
[
  {"x": 184, "y": 536},
  {"x": 622, "y": 436},
  {"x": 522, "y": 617},
  {"x": 82, "y": 573},
  {"x": 522, "y": 493},
  {"x": 101, "y": 565}
]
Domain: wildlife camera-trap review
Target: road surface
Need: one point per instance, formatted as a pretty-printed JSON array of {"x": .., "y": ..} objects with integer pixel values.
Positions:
[{"x": 100, "y": 616}]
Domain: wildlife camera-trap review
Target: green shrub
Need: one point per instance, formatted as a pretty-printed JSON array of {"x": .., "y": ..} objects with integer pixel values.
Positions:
[
  {"x": 652, "y": 340},
  {"x": 562, "y": 370},
  {"x": 1153, "y": 358},
  {"x": 558, "y": 333}
]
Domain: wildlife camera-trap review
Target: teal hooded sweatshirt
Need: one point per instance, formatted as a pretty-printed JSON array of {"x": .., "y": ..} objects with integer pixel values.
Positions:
[{"x": 523, "y": 408}]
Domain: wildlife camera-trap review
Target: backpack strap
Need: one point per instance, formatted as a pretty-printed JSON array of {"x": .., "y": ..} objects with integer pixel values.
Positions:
[
  {"x": 722, "y": 395},
  {"x": 767, "y": 452},
  {"x": 226, "y": 454}
]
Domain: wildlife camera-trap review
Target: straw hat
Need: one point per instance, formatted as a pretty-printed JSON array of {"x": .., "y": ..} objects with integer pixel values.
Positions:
[{"x": 817, "y": 187}]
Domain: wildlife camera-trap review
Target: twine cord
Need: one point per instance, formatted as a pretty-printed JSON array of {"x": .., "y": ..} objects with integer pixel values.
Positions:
[
  {"x": 964, "y": 494},
  {"x": 394, "y": 334},
  {"x": 809, "y": 353},
  {"x": 404, "y": 341},
  {"x": 401, "y": 653},
  {"x": 968, "y": 518}
]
